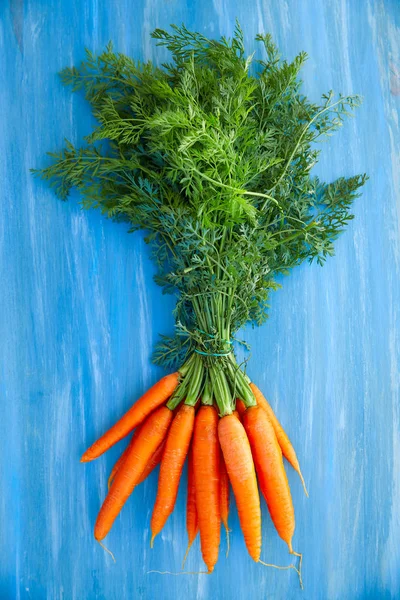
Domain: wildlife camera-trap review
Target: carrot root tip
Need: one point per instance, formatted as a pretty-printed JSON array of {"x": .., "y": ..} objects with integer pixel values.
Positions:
[
  {"x": 107, "y": 550},
  {"x": 276, "y": 566},
  {"x": 303, "y": 484},
  {"x": 227, "y": 530},
  {"x": 179, "y": 572},
  {"x": 152, "y": 540},
  {"x": 186, "y": 554},
  {"x": 298, "y": 571},
  {"x": 300, "y": 566}
]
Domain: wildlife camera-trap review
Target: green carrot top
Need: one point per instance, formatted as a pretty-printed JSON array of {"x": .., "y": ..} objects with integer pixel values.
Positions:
[{"x": 211, "y": 154}]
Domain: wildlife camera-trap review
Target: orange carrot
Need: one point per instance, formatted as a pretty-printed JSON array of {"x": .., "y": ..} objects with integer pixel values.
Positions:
[
  {"x": 174, "y": 456},
  {"x": 271, "y": 472},
  {"x": 237, "y": 414},
  {"x": 146, "y": 443},
  {"x": 151, "y": 400},
  {"x": 153, "y": 462},
  {"x": 206, "y": 479},
  {"x": 151, "y": 465},
  {"x": 192, "y": 524},
  {"x": 240, "y": 407},
  {"x": 283, "y": 439},
  {"x": 121, "y": 459},
  {"x": 149, "y": 468},
  {"x": 239, "y": 464},
  {"x": 224, "y": 498}
]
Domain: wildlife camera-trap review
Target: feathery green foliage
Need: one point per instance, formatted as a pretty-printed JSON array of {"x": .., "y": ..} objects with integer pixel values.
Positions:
[{"x": 211, "y": 154}]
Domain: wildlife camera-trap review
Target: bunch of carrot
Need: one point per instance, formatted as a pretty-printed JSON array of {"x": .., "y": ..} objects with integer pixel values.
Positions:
[
  {"x": 211, "y": 156},
  {"x": 236, "y": 449}
]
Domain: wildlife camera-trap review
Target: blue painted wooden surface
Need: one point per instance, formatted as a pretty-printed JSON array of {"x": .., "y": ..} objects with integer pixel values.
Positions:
[{"x": 79, "y": 314}]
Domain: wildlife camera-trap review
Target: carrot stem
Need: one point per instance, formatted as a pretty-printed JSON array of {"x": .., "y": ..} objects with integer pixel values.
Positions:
[
  {"x": 240, "y": 385},
  {"x": 221, "y": 390},
  {"x": 207, "y": 395},
  {"x": 196, "y": 382}
]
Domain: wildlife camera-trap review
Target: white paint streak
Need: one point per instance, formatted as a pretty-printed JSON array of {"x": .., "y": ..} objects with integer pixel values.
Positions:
[
  {"x": 388, "y": 52},
  {"x": 391, "y": 553},
  {"x": 144, "y": 320}
]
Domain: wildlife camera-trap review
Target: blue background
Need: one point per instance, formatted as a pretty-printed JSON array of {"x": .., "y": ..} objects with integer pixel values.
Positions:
[{"x": 79, "y": 315}]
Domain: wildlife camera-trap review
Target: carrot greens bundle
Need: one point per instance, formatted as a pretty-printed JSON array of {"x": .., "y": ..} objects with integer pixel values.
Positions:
[{"x": 210, "y": 154}]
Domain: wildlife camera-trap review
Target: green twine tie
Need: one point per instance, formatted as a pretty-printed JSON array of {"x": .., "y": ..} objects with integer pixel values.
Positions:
[{"x": 214, "y": 353}]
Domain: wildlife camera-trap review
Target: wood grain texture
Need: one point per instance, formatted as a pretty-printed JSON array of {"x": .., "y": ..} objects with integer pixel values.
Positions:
[{"x": 79, "y": 314}]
